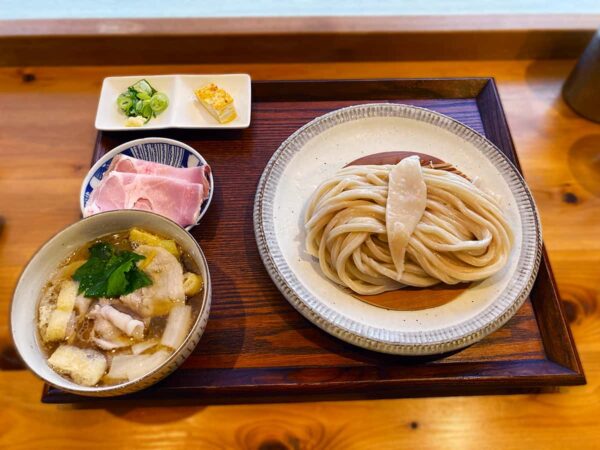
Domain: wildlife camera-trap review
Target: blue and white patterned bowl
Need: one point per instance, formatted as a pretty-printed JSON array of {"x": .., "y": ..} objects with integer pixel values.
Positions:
[{"x": 155, "y": 149}]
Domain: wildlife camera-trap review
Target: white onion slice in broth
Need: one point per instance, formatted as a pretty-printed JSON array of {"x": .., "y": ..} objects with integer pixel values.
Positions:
[
  {"x": 178, "y": 326},
  {"x": 131, "y": 367},
  {"x": 141, "y": 347}
]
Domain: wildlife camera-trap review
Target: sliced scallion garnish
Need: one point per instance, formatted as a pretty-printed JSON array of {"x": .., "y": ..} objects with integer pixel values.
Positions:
[{"x": 141, "y": 99}]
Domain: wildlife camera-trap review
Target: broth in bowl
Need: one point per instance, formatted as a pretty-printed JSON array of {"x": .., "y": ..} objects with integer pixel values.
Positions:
[{"x": 118, "y": 307}]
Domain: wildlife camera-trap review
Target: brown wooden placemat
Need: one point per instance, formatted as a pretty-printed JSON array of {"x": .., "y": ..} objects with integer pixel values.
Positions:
[{"x": 258, "y": 348}]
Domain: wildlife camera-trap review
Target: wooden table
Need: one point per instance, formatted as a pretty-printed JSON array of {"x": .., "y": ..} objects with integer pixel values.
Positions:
[{"x": 46, "y": 139}]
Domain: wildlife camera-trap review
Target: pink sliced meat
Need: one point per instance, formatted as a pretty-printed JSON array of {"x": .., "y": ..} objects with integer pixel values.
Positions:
[
  {"x": 176, "y": 199},
  {"x": 123, "y": 163}
]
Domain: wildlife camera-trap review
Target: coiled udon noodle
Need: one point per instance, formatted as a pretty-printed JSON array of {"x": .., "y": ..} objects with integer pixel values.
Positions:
[{"x": 460, "y": 236}]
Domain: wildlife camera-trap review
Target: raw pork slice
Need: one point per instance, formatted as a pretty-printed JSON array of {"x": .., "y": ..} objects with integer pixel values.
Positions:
[
  {"x": 178, "y": 200},
  {"x": 123, "y": 163}
]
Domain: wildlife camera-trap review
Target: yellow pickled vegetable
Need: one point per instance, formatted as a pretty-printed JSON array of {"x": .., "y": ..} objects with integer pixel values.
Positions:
[
  {"x": 143, "y": 237},
  {"x": 146, "y": 262},
  {"x": 69, "y": 269},
  {"x": 192, "y": 283}
]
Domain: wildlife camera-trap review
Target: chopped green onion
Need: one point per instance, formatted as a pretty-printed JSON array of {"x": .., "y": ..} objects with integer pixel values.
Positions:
[
  {"x": 146, "y": 109},
  {"x": 138, "y": 108},
  {"x": 159, "y": 102},
  {"x": 124, "y": 102},
  {"x": 141, "y": 99},
  {"x": 143, "y": 86}
]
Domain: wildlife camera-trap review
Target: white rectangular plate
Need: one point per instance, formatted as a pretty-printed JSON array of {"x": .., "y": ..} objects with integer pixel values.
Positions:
[{"x": 184, "y": 110}]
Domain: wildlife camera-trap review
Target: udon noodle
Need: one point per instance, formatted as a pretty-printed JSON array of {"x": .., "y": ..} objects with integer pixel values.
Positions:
[{"x": 376, "y": 228}]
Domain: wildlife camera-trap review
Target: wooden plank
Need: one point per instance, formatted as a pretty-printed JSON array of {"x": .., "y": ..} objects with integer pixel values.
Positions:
[
  {"x": 225, "y": 386},
  {"x": 557, "y": 337},
  {"x": 418, "y": 89},
  {"x": 229, "y": 26},
  {"x": 558, "y": 341},
  {"x": 185, "y": 41},
  {"x": 256, "y": 345}
]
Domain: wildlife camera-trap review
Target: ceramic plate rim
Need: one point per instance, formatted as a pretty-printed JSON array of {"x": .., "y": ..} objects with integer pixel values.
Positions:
[
  {"x": 446, "y": 339},
  {"x": 148, "y": 140}
]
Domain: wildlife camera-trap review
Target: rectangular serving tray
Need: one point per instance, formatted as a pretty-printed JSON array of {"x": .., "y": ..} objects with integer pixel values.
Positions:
[{"x": 258, "y": 348}]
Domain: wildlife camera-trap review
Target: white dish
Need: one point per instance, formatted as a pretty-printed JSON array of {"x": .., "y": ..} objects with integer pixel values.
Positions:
[
  {"x": 184, "y": 110},
  {"x": 320, "y": 148}
]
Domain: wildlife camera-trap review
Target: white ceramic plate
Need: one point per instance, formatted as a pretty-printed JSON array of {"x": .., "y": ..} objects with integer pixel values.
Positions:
[
  {"x": 320, "y": 148},
  {"x": 184, "y": 110}
]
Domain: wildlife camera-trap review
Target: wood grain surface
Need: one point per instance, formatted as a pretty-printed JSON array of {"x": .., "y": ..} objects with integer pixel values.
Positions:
[
  {"x": 296, "y": 24},
  {"x": 293, "y": 39},
  {"x": 46, "y": 137},
  {"x": 256, "y": 346}
]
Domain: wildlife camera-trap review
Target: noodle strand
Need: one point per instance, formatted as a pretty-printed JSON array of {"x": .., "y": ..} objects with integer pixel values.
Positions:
[{"x": 462, "y": 236}]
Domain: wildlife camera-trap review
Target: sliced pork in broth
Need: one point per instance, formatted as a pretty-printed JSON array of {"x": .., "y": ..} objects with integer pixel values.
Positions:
[
  {"x": 166, "y": 289},
  {"x": 118, "y": 307}
]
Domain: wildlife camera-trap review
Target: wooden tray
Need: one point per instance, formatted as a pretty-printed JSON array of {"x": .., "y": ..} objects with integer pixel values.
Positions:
[{"x": 258, "y": 348}]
